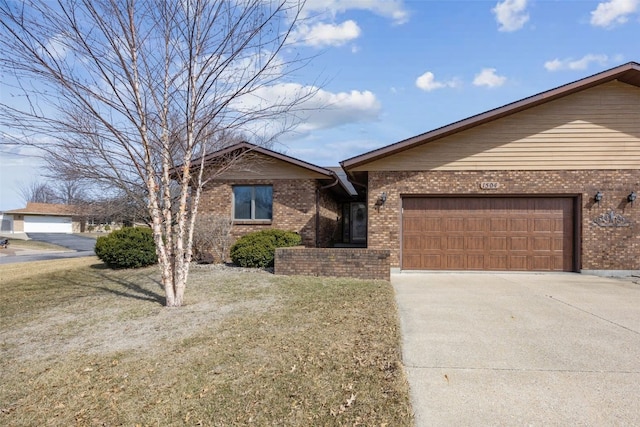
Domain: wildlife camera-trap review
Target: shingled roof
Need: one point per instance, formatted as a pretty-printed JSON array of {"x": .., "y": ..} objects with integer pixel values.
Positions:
[{"x": 49, "y": 209}]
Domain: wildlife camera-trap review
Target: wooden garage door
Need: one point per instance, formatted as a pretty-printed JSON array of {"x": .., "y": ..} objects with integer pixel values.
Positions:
[{"x": 476, "y": 233}]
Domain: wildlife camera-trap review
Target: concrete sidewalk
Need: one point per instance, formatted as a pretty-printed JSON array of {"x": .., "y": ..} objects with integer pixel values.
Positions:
[{"x": 520, "y": 349}]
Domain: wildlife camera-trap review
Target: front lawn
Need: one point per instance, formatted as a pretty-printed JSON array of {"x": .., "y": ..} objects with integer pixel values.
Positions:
[{"x": 84, "y": 345}]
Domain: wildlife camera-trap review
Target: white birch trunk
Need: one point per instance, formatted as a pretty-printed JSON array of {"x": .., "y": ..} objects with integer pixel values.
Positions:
[{"x": 135, "y": 88}]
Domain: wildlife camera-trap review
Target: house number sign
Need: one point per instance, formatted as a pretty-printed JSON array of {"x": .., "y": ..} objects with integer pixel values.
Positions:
[{"x": 489, "y": 185}]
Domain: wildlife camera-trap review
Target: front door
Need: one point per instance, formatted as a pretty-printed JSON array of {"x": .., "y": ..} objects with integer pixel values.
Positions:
[{"x": 358, "y": 222}]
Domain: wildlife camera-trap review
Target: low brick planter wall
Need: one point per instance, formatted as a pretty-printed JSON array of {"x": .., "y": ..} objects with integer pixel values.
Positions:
[{"x": 371, "y": 264}]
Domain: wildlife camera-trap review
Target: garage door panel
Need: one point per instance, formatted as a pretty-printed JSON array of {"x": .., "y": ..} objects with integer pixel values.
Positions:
[
  {"x": 476, "y": 224},
  {"x": 412, "y": 242},
  {"x": 455, "y": 242},
  {"x": 475, "y": 262},
  {"x": 498, "y": 243},
  {"x": 542, "y": 224},
  {"x": 494, "y": 233},
  {"x": 432, "y": 224},
  {"x": 498, "y": 262},
  {"x": 431, "y": 262},
  {"x": 456, "y": 262},
  {"x": 559, "y": 263},
  {"x": 453, "y": 225},
  {"x": 432, "y": 243},
  {"x": 518, "y": 243},
  {"x": 498, "y": 224},
  {"x": 541, "y": 263},
  {"x": 412, "y": 224},
  {"x": 518, "y": 262},
  {"x": 557, "y": 244},
  {"x": 541, "y": 244},
  {"x": 519, "y": 225},
  {"x": 412, "y": 261},
  {"x": 558, "y": 225},
  {"x": 475, "y": 243}
]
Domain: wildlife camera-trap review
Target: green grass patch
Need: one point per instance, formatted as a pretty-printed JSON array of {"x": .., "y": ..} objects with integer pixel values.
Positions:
[{"x": 91, "y": 346}]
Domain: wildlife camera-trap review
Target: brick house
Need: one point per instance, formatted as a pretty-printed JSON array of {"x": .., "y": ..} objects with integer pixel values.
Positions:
[
  {"x": 259, "y": 188},
  {"x": 547, "y": 183}
]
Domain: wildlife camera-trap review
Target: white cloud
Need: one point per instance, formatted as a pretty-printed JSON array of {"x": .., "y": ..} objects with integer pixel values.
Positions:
[
  {"x": 613, "y": 12},
  {"x": 488, "y": 77},
  {"x": 511, "y": 14},
  {"x": 578, "y": 64},
  {"x": 322, "y": 34},
  {"x": 328, "y": 110},
  {"x": 319, "y": 109},
  {"x": 428, "y": 82},
  {"x": 392, "y": 9},
  {"x": 56, "y": 47}
]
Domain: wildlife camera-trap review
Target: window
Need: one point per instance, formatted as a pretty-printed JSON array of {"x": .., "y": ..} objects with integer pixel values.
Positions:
[{"x": 252, "y": 202}]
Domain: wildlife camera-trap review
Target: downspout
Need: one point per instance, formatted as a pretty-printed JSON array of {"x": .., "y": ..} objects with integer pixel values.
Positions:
[{"x": 318, "y": 208}]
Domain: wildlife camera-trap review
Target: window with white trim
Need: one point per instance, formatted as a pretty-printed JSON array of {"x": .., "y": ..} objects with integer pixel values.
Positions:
[{"x": 252, "y": 202}]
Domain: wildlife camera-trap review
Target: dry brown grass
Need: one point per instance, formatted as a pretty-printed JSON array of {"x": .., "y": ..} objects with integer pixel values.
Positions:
[
  {"x": 84, "y": 345},
  {"x": 25, "y": 271}
]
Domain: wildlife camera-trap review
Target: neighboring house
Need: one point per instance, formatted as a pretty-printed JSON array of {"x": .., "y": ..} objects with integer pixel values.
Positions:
[
  {"x": 6, "y": 223},
  {"x": 46, "y": 218},
  {"x": 264, "y": 189},
  {"x": 547, "y": 183}
]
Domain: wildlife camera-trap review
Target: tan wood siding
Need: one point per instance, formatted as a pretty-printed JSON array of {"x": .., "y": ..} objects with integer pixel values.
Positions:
[
  {"x": 264, "y": 167},
  {"x": 598, "y": 128},
  {"x": 482, "y": 233}
]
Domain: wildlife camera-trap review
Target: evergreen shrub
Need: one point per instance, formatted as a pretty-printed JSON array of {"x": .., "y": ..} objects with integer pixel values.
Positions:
[
  {"x": 258, "y": 249},
  {"x": 129, "y": 247}
]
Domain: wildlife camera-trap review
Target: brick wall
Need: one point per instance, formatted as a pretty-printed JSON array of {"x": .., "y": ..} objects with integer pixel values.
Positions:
[
  {"x": 329, "y": 219},
  {"x": 601, "y": 248},
  {"x": 368, "y": 264},
  {"x": 294, "y": 208}
]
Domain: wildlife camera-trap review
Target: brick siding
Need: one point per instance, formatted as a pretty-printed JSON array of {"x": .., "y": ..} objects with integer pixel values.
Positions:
[
  {"x": 601, "y": 248},
  {"x": 294, "y": 208},
  {"x": 367, "y": 264}
]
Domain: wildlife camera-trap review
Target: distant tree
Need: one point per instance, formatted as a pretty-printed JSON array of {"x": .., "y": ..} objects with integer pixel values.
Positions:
[
  {"x": 61, "y": 191},
  {"x": 135, "y": 94},
  {"x": 70, "y": 192},
  {"x": 37, "y": 192}
]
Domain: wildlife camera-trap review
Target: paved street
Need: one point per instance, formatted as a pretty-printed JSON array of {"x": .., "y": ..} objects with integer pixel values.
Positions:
[{"x": 78, "y": 246}]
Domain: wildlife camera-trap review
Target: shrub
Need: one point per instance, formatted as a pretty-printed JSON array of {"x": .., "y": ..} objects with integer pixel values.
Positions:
[
  {"x": 258, "y": 249},
  {"x": 128, "y": 247},
  {"x": 211, "y": 238}
]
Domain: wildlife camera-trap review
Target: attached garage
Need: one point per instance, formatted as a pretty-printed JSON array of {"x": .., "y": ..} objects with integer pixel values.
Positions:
[
  {"x": 488, "y": 233},
  {"x": 547, "y": 183},
  {"x": 48, "y": 224}
]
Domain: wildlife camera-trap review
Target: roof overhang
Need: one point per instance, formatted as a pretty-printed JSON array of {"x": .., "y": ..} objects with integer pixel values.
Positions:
[{"x": 246, "y": 147}]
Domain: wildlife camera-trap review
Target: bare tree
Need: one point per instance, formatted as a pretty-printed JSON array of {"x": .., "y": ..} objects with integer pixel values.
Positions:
[
  {"x": 71, "y": 192},
  {"x": 127, "y": 93},
  {"x": 37, "y": 192}
]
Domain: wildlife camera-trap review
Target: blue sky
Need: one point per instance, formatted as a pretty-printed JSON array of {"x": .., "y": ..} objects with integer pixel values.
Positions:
[{"x": 393, "y": 69}]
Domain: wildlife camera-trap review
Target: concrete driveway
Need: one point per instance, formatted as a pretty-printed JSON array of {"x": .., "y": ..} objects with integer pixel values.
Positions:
[{"x": 521, "y": 349}]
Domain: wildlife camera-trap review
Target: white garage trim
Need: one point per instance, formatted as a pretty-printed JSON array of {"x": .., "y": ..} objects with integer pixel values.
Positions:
[{"x": 47, "y": 224}]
